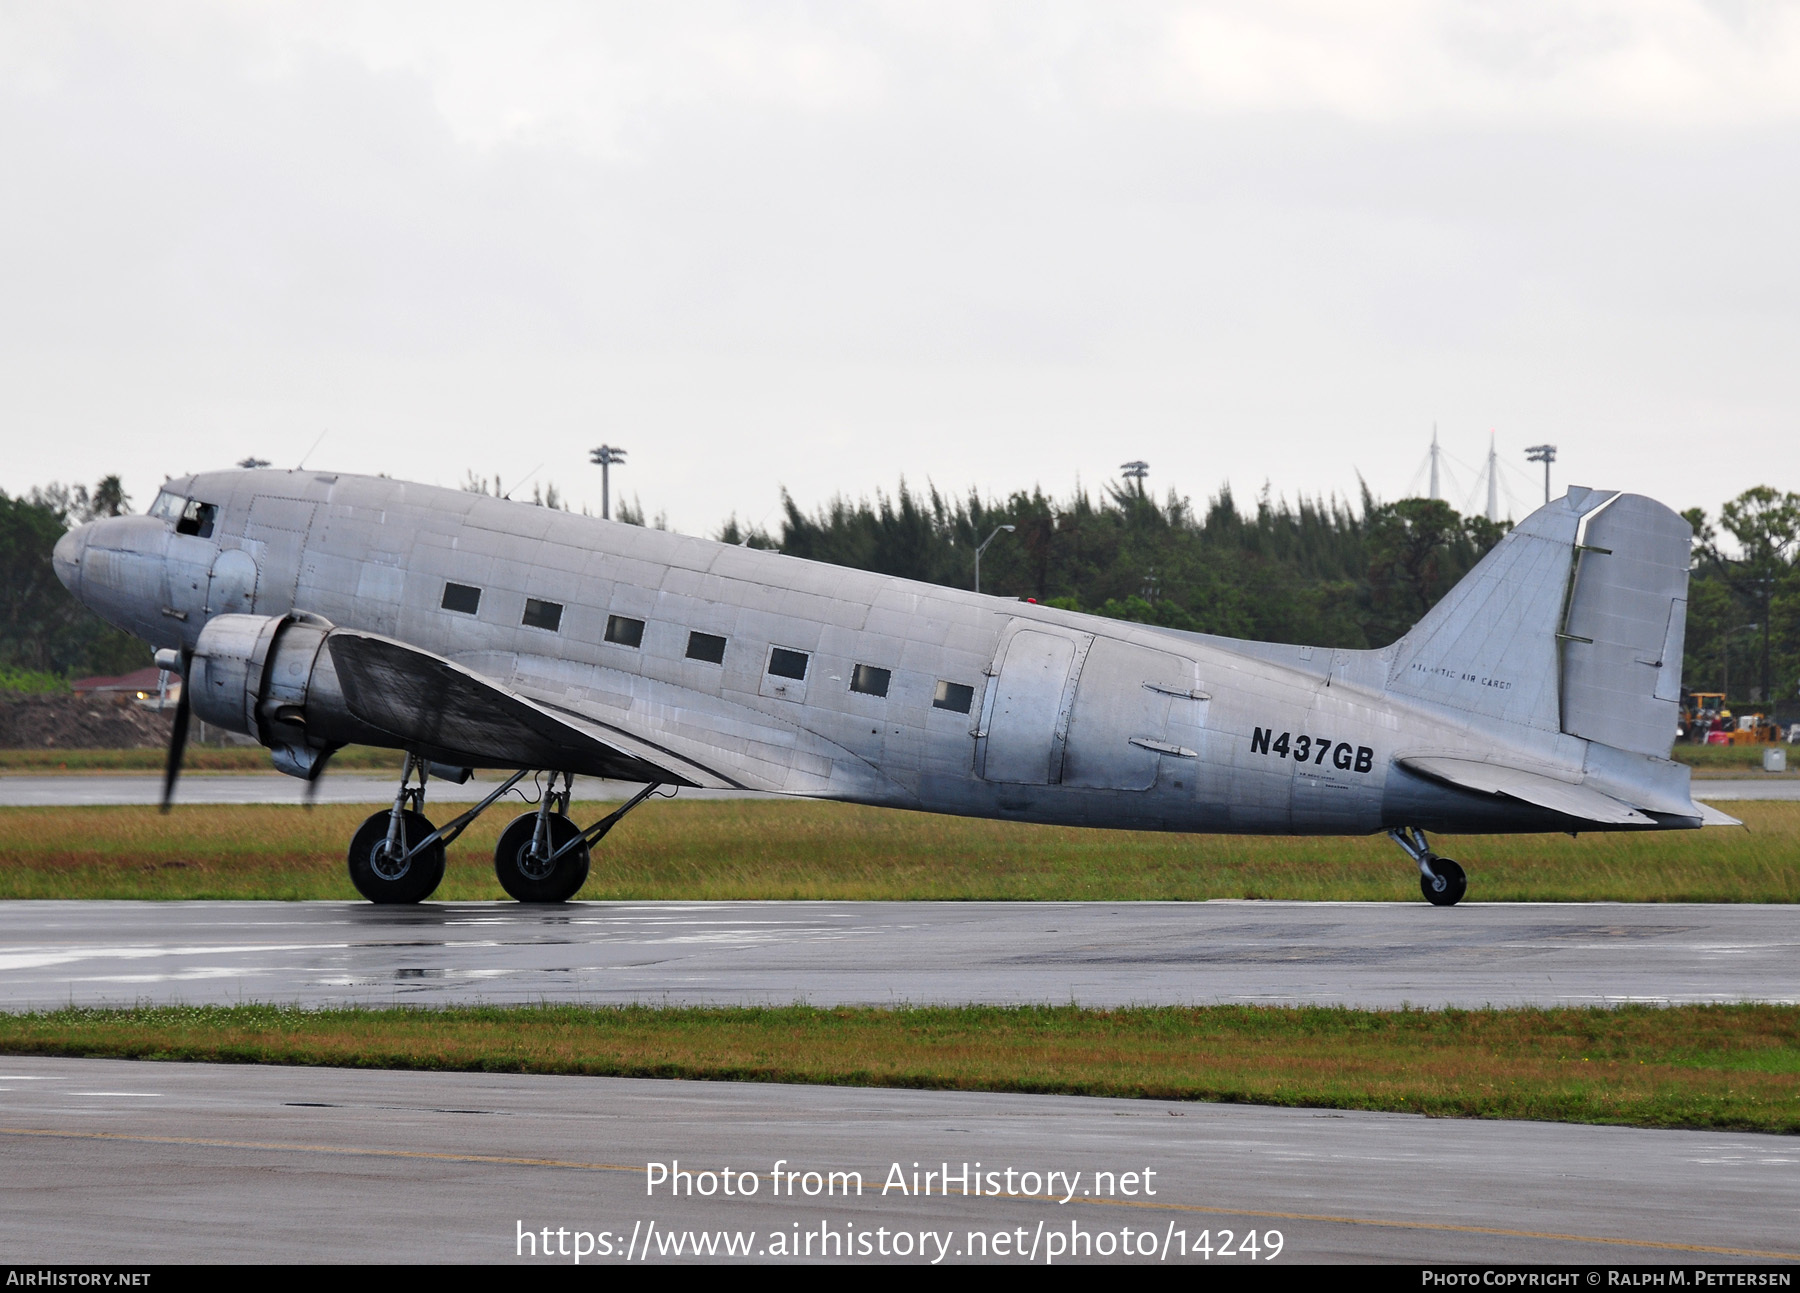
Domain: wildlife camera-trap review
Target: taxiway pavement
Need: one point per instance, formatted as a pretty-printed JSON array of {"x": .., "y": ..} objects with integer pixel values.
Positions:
[
  {"x": 127, "y": 1162},
  {"x": 831, "y": 953}
]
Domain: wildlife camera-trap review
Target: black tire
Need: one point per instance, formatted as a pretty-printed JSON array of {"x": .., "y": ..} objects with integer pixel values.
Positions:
[
  {"x": 528, "y": 883},
  {"x": 1451, "y": 886},
  {"x": 376, "y": 880}
]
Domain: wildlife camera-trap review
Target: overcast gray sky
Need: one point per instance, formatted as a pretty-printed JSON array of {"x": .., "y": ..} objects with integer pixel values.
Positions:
[{"x": 825, "y": 245}]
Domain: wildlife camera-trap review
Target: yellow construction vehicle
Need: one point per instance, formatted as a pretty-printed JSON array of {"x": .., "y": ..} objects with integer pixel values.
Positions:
[{"x": 1756, "y": 729}]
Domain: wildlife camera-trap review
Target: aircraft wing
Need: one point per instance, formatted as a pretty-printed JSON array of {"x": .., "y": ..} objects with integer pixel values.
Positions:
[
  {"x": 1532, "y": 787},
  {"x": 428, "y": 702}
]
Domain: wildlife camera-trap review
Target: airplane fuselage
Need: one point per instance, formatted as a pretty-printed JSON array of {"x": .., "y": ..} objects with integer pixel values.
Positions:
[{"x": 748, "y": 668}]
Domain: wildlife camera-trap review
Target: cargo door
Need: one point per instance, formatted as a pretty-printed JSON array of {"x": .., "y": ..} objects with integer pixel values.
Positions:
[{"x": 1025, "y": 719}]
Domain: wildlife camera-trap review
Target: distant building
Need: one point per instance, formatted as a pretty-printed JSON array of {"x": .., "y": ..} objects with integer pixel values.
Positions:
[{"x": 141, "y": 684}]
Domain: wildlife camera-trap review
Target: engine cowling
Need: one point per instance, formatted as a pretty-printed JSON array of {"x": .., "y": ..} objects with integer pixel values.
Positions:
[{"x": 268, "y": 676}]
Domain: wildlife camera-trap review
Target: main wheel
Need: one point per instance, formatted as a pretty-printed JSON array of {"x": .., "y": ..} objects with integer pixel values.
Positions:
[
  {"x": 380, "y": 878},
  {"x": 1451, "y": 883},
  {"x": 530, "y": 879}
]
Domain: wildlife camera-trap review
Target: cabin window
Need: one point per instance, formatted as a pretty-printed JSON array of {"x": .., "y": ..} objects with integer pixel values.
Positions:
[
  {"x": 709, "y": 647},
  {"x": 624, "y": 631},
  {"x": 784, "y": 663},
  {"x": 955, "y": 696},
  {"x": 197, "y": 519},
  {"x": 461, "y": 598},
  {"x": 542, "y": 615},
  {"x": 869, "y": 680}
]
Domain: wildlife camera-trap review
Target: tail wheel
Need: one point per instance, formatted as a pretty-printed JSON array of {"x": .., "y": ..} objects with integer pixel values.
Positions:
[
  {"x": 384, "y": 878},
  {"x": 1450, "y": 886},
  {"x": 530, "y": 878}
]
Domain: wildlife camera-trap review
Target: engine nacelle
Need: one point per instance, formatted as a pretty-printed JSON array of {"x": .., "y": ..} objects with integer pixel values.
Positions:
[{"x": 269, "y": 677}]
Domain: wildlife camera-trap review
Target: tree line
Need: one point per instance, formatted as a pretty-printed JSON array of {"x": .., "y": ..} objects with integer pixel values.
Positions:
[
  {"x": 1318, "y": 571},
  {"x": 1322, "y": 571}
]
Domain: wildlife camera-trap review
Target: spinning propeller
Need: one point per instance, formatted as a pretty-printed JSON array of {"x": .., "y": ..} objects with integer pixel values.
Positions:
[{"x": 178, "y": 734}]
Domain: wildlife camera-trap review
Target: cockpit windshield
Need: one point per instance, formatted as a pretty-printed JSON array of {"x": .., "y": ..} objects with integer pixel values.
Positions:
[{"x": 190, "y": 515}]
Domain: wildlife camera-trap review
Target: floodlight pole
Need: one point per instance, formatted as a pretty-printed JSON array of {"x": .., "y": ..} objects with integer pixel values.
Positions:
[
  {"x": 983, "y": 548},
  {"x": 605, "y": 456},
  {"x": 1136, "y": 471},
  {"x": 1546, "y": 454}
]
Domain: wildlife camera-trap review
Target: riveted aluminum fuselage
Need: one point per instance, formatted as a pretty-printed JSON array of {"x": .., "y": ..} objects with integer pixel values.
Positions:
[{"x": 1071, "y": 718}]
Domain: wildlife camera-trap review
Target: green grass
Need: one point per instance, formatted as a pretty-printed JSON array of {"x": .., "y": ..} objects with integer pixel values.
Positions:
[
  {"x": 1688, "y": 1066},
  {"x": 725, "y": 849}
]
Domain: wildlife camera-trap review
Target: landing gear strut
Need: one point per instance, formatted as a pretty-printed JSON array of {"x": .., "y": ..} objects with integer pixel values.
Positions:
[
  {"x": 397, "y": 855},
  {"x": 543, "y": 856},
  {"x": 1440, "y": 880}
]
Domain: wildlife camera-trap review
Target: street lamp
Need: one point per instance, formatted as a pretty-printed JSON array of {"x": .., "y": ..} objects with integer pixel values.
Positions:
[
  {"x": 983, "y": 548},
  {"x": 605, "y": 456},
  {"x": 1546, "y": 454}
]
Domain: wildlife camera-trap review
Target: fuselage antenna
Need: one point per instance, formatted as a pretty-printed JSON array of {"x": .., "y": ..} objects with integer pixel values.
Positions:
[
  {"x": 519, "y": 482},
  {"x": 301, "y": 465}
]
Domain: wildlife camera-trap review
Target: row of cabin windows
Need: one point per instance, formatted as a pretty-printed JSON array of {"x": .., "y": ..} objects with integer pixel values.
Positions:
[
  {"x": 784, "y": 662},
  {"x": 538, "y": 614}
]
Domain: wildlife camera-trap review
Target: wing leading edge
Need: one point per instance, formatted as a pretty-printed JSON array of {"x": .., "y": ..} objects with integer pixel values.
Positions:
[{"x": 427, "y": 702}]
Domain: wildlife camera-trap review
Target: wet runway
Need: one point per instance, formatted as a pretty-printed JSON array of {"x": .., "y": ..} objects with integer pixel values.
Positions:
[
  {"x": 115, "y": 1161},
  {"x": 829, "y": 953}
]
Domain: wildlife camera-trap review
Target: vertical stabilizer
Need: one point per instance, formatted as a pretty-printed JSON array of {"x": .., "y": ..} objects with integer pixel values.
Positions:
[{"x": 1572, "y": 623}]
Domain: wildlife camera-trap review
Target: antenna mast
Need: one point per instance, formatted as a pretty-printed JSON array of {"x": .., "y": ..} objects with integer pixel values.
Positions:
[
  {"x": 1493, "y": 512},
  {"x": 1435, "y": 492}
]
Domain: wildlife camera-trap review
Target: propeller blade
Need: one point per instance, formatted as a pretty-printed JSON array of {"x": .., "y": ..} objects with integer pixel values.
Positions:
[
  {"x": 318, "y": 770},
  {"x": 178, "y": 735}
]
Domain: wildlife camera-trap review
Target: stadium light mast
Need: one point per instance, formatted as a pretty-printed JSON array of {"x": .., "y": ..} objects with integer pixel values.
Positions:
[
  {"x": 1135, "y": 471},
  {"x": 1493, "y": 508},
  {"x": 604, "y": 457},
  {"x": 1546, "y": 454},
  {"x": 1004, "y": 529}
]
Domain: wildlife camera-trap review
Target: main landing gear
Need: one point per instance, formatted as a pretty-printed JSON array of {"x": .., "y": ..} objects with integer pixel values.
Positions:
[
  {"x": 1440, "y": 880},
  {"x": 397, "y": 855},
  {"x": 543, "y": 856}
]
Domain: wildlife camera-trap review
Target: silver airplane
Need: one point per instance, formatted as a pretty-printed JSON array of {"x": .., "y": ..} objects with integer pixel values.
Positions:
[{"x": 311, "y": 610}]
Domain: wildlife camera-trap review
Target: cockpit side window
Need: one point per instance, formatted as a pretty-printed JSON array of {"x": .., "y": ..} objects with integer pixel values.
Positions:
[
  {"x": 167, "y": 506},
  {"x": 197, "y": 519}
]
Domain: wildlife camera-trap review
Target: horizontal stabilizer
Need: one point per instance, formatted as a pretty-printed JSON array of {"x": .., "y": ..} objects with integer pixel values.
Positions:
[
  {"x": 1710, "y": 816},
  {"x": 1532, "y": 787}
]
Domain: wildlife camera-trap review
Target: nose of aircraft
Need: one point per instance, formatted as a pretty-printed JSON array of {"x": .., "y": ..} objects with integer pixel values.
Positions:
[{"x": 66, "y": 557}]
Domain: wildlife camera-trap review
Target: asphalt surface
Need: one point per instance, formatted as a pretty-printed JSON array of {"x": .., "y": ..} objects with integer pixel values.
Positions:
[
  {"x": 116, "y": 1161},
  {"x": 830, "y": 953}
]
